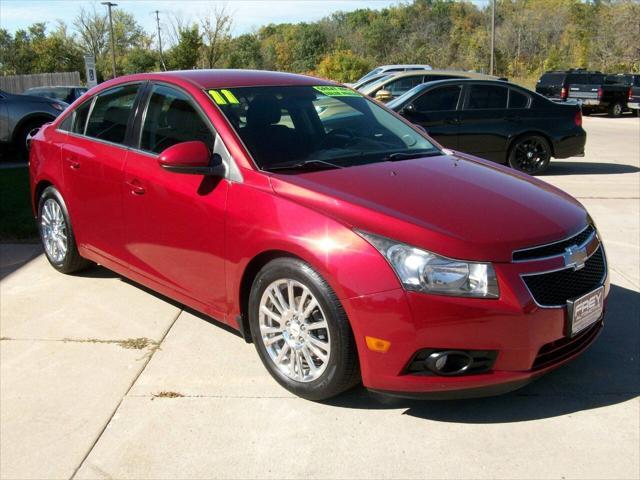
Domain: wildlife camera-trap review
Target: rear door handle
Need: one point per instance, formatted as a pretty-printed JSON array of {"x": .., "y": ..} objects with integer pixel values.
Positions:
[
  {"x": 453, "y": 121},
  {"x": 136, "y": 187}
]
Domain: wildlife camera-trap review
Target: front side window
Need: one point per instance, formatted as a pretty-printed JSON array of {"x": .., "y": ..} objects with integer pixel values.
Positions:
[
  {"x": 170, "y": 118},
  {"x": 282, "y": 126},
  {"x": 110, "y": 114},
  {"x": 403, "y": 85},
  {"x": 439, "y": 99},
  {"x": 483, "y": 97}
]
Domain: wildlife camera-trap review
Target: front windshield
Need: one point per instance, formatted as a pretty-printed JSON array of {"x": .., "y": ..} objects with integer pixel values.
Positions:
[
  {"x": 288, "y": 125},
  {"x": 368, "y": 81},
  {"x": 373, "y": 72}
]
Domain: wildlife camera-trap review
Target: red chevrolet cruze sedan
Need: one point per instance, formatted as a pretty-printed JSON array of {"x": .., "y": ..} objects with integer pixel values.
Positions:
[{"x": 341, "y": 240}]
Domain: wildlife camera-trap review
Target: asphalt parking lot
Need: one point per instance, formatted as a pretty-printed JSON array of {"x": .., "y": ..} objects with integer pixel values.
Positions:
[{"x": 101, "y": 378}]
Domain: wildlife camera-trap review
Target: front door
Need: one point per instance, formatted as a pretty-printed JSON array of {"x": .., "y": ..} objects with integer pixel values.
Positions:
[
  {"x": 174, "y": 223},
  {"x": 93, "y": 161},
  {"x": 436, "y": 110}
]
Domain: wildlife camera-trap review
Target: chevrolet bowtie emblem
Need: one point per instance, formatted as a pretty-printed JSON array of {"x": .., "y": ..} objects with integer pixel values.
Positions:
[{"x": 575, "y": 257}]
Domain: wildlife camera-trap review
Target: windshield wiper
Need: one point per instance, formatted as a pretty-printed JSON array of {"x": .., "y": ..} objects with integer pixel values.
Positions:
[
  {"x": 304, "y": 165},
  {"x": 394, "y": 157}
]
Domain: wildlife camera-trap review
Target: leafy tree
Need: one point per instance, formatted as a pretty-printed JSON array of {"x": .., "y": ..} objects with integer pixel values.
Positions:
[
  {"x": 184, "y": 55},
  {"x": 343, "y": 66},
  {"x": 245, "y": 52}
]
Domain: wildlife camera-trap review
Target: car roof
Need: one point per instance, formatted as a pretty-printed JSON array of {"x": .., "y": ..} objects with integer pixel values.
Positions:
[
  {"x": 405, "y": 65},
  {"x": 395, "y": 76},
  {"x": 226, "y": 78}
]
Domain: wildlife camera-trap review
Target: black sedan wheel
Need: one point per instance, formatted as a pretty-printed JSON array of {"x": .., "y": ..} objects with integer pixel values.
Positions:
[{"x": 530, "y": 154}]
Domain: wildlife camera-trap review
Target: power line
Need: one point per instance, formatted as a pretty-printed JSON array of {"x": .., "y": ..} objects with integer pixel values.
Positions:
[{"x": 164, "y": 67}]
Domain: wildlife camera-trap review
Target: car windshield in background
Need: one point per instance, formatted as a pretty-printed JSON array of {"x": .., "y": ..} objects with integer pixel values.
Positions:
[{"x": 322, "y": 127}]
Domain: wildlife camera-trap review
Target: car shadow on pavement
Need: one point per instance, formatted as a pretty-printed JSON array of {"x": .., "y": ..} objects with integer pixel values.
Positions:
[
  {"x": 606, "y": 374},
  {"x": 569, "y": 167}
]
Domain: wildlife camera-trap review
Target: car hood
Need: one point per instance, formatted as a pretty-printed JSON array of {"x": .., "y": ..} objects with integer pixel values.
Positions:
[{"x": 457, "y": 206}]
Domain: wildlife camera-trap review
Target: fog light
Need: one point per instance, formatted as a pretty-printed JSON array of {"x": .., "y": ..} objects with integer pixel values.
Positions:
[
  {"x": 377, "y": 344},
  {"x": 449, "y": 362}
]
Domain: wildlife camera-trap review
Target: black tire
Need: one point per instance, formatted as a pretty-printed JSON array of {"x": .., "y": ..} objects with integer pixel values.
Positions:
[
  {"x": 342, "y": 370},
  {"x": 21, "y": 138},
  {"x": 530, "y": 154},
  {"x": 72, "y": 261},
  {"x": 615, "y": 109}
]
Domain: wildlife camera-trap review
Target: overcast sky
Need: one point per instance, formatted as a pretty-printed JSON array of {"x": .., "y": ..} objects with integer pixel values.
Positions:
[{"x": 247, "y": 14}]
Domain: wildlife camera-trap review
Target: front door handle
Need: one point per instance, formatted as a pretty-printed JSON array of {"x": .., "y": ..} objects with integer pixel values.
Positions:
[
  {"x": 73, "y": 162},
  {"x": 136, "y": 187}
]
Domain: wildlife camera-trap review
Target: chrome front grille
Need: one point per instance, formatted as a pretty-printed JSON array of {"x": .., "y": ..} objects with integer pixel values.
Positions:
[{"x": 554, "y": 249}]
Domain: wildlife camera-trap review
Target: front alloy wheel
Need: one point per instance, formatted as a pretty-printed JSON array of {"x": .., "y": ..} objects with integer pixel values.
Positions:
[
  {"x": 530, "y": 154},
  {"x": 301, "y": 331},
  {"x": 294, "y": 330}
]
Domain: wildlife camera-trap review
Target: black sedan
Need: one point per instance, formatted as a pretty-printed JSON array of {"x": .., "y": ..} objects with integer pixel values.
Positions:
[{"x": 495, "y": 120}]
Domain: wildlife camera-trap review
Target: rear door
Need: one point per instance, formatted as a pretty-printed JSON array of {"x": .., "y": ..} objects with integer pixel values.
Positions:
[
  {"x": 174, "y": 222},
  {"x": 436, "y": 110},
  {"x": 484, "y": 130},
  {"x": 93, "y": 161}
]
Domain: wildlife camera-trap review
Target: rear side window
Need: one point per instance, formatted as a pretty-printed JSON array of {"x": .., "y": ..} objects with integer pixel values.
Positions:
[
  {"x": 439, "y": 99},
  {"x": 170, "y": 118},
  {"x": 110, "y": 114},
  {"x": 80, "y": 117},
  {"x": 517, "y": 99},
  {"x": 482, "y": 97}
]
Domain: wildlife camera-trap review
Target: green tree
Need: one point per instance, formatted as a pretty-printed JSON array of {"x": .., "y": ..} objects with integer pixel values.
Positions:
[
  {"x": 184, "y": 55},
  {"x": 245, "y": 52},
  {"x": 343, "y": 66}
]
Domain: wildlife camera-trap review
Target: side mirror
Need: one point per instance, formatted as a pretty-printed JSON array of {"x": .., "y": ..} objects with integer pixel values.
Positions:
[
  {"x": 192, "y": 158},
  {"x": 383, "y": 96}
]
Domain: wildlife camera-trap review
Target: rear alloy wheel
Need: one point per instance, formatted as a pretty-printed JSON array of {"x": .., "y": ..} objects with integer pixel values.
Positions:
[
  {"x": 301, "y": 331},
  {"x": 530, "y": 154},
  {"x": 615, "y": 109},
  {"x": 56, "y": 233}
]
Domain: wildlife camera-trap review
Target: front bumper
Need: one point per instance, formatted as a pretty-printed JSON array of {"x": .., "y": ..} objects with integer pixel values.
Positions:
[{"x": 514, "y": 326}]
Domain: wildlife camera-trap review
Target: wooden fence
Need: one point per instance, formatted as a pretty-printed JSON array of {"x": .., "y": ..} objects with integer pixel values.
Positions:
[{"x": 19, "y": 83}]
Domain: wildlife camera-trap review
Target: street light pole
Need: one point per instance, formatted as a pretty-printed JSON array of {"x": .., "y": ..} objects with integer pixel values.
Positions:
[
  {"x": 493, "y": 35},
  {"x": 164, "y": 67},
  {"x": 113, "y": 42}
]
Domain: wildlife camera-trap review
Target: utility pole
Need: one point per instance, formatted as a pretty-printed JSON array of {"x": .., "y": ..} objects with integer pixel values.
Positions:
[
  {"x": 164, "y": 67},
  {"x": 113, "y": 42},
  {"x": 493, "y": 35}
]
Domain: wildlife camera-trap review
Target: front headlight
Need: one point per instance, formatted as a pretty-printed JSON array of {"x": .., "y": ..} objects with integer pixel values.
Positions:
[{"x": 423, "y": 271}]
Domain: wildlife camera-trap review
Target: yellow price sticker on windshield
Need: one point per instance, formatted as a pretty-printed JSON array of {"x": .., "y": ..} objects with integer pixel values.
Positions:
[
  {"x": 335, "y": 91},
  {"x": 223, "y": 97}
]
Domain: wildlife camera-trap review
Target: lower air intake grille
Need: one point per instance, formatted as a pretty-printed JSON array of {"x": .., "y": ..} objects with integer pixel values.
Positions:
[{"x": 564, "y": 348}]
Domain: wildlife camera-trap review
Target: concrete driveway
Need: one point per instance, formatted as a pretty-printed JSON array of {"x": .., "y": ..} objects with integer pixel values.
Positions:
[{"x": 101, "y": 378}]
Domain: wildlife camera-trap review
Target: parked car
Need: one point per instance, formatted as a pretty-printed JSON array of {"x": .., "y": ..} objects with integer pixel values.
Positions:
[
  {"x": 20, "y": 114},
  {"x": 387, "y": 89},
  {"x": 68, "y": 94},
  {"x": 496, "y": 120},
  {"x": 348, "y": 248},
  {"x": 392, "y": 69},
  {"x": 555, "y": 84},
  {"x": 374, "y": 78},
  {"x": 597, "y": 94}
]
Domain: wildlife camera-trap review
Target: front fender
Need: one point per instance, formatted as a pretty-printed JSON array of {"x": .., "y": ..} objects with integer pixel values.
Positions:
[{"x": 260, "y": 221}]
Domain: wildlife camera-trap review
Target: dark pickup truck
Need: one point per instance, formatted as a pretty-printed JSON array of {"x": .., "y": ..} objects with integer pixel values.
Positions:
[
  {"x": 632, "y": 82},
  {"x": 600, "y": 93}
]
